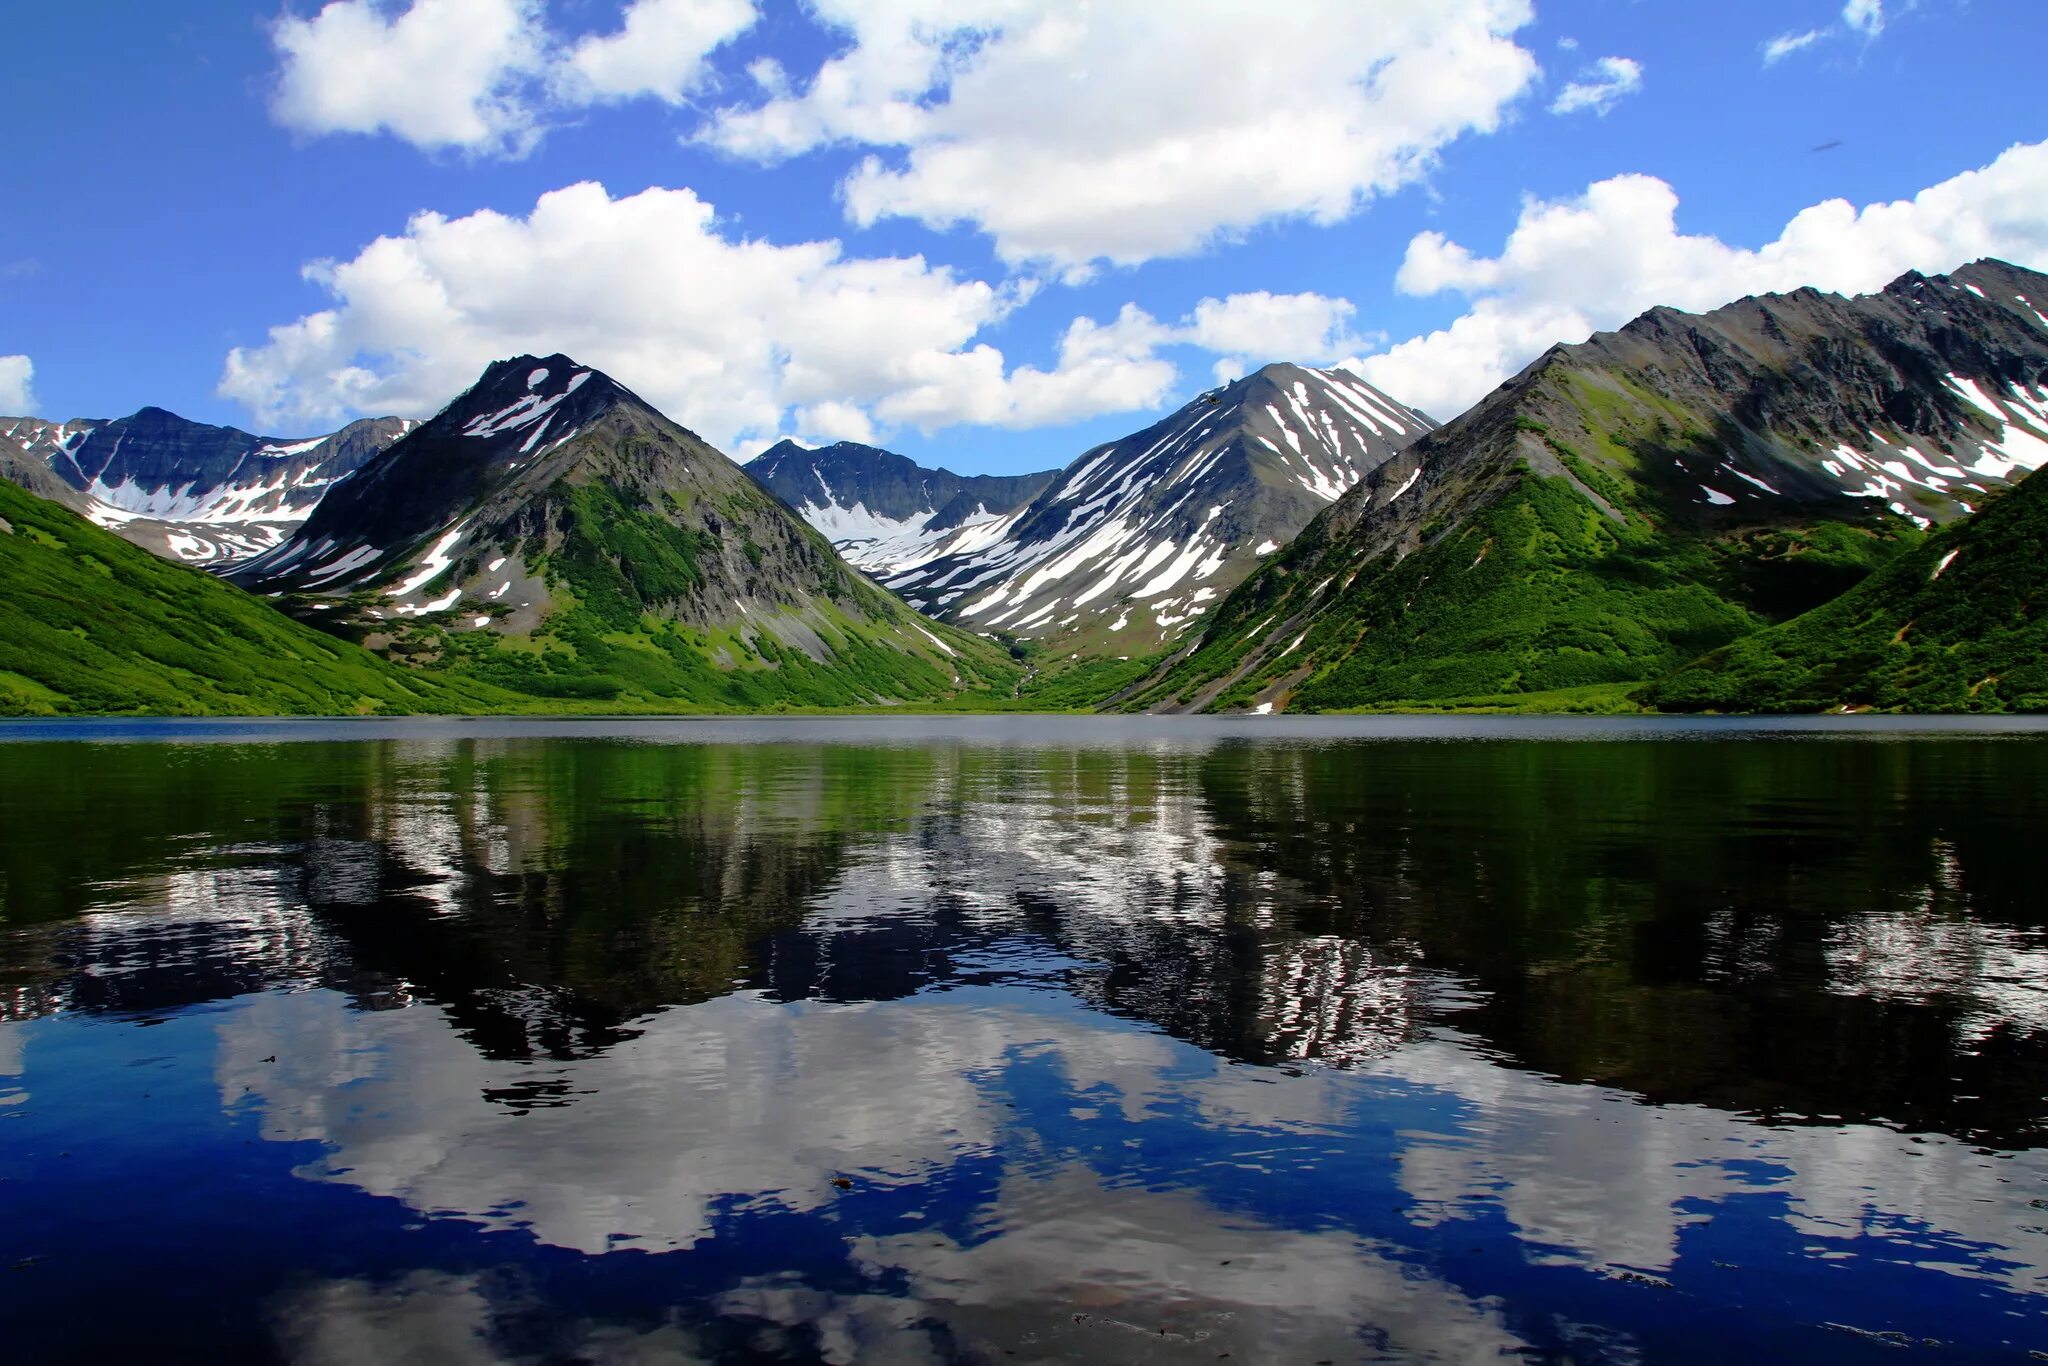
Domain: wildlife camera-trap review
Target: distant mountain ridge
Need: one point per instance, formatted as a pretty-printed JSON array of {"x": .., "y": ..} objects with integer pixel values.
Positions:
[
  {"x": 554, "y": 533},
  {"x": 881, "y": 510},
  {"x": 1133, "y": 541},
  {"x": 1633, "y": 501},
  {"x": 188, "y": 491}
]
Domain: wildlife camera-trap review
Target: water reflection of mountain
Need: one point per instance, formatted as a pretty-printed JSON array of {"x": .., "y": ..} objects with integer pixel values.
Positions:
[
  {"x": 1805, "y": 929},
  {"x": 544, "y": 896}
]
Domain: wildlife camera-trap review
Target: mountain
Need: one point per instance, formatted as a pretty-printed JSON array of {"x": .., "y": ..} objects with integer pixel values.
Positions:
[
  {"x": 1138, "y": 537},
  {"x": 186, "y": 490},
  {"x": 883, "y": 511},
  {"x": 1955, "y": 625},
  {"x": 92, "y": 624},
  {"x": 551, "y": 532},
  {"x": 1635, "y": 501}
]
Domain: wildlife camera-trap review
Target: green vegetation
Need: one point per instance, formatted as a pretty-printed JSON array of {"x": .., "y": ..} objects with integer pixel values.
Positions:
[
  {"x": 668, "y": 665},
  {"x": 92, "y": 624},
  {"x": 1537, "y": 593},
  {"x": 1598, "y": 699},
  {"x": 628, "y": 588},
  {"x": 619, "y": 558},
  {"x": 1916, "y": 636},
  {"x": 1081, "y": 684},
  {"x": 1556, "y": 586}
]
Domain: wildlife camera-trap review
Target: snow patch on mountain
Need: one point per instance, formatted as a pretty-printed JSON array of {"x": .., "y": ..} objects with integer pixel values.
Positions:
[{"x": 1167, "y": 520}]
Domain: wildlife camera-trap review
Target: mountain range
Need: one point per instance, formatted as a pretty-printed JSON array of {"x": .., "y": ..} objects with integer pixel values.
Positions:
[
  {"x": 1136, "y": 538},
  {"x": 552, "y": 533},
  {"x": 1795, "y": 502},
  {"x": 1632, "y": 502},
  {"x": 186, "y": 490},
  {"x": 883, "y": 511}
]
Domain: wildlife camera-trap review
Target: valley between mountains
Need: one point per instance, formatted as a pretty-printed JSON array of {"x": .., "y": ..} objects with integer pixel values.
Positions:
[{"x": 1794, "y": 503}]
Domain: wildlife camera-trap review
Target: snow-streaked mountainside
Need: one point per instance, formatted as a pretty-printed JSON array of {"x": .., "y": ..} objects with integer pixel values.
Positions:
[
  {"x": 1137, "y": 538},
  {"x": 570, "y": 531},
  {"x": 883, "y": 511},
  {"x": 186, "y": 490},
  {"x": 1629, "y": 503}
]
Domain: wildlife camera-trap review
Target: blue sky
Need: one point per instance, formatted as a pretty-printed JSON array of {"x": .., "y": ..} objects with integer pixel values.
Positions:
[{"x": 981, "y": 232}]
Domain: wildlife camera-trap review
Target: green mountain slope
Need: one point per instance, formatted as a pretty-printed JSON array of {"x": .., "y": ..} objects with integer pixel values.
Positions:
[
  {"x": 1629, "y": 503},
  {"x": 1957, "y": 625},
  {"x": 552, "y": 534},
  {"x": 92, "y": 624}
]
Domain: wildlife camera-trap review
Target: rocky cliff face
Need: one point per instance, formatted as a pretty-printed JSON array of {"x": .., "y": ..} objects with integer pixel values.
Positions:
[
  {"x": 1140, "y": 537},
  {"x": 1652, "y": 493},
  {"x": 553, "y": 531},
  {"x": 883, "y": 511}
]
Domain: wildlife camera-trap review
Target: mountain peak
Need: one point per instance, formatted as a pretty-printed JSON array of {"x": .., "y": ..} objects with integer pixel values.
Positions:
[
  {"x": 1760, "y": 456},
  {"x": 525, "y": 364},
  {"x": 1138, "y": 537},
  {"x": 550, "y": 505},
  {"x": 191, "y": 491},
  {"x": 784, "y": 449}
]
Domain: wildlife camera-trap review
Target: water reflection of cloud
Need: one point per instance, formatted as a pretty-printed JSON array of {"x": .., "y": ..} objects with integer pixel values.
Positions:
[
  {"x": 1149, "y": 1274},
  {"x": 1591, "y": 1176},
  {"x": 423, "y": 1317},
  {"x": 741, "y": 1106}
]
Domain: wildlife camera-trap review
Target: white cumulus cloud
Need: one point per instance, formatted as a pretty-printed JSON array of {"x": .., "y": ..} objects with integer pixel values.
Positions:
[
  {"x": 660, "y": 50},
  {"x": 1075, "y": 134},
  {"x": 17, "y": 393},
  {"x": 1571, "y": 267},
  {"x": 1600, "y": 86},
  {"x": 728, "y": 335},
  {"x": 484, "y": 76},
  {"x": 1264, "y": 327},
  {"x": 1103, "y": 368},
  {"x": 440, "y": 74}
]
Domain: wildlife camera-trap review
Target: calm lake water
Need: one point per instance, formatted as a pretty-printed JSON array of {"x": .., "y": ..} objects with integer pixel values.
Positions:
[{"x": 929, "y": 1040}]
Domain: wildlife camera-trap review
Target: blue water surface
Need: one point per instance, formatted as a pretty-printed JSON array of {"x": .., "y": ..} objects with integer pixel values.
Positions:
[{"x": 1023, "y": 1040}]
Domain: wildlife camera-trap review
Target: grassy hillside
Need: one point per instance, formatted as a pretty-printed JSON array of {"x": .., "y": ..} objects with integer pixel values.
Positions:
[
  {"x": 612, "y": 639},
  {"x": 1957, "y": 625},
  {"x": 1631, "y": 501},
  {"x": 625, "y": 565},
  {"x": 92, "y": 624},
  {"x": 1570, "y": 551}
]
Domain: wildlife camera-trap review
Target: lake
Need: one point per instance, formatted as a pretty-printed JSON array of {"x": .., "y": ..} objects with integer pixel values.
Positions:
[{"x": 929, "y": 1039}]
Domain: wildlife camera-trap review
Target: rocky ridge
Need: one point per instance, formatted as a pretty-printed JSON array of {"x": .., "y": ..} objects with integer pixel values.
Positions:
[
  {"x": 1632, "y": 501},
  {"x": 883, "y": 511}
]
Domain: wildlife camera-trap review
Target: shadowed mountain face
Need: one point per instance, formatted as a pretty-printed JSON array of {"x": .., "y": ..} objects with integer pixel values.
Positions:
[
  {"x": 186, "y": 490},
  {"x": 1137, "y": 539},
  {"x": 1954, "y": 625},
  {"x": 1627, "y": 504},
  {"x": 552, "y": 532},
  {"x": 883, "y": 511}
]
